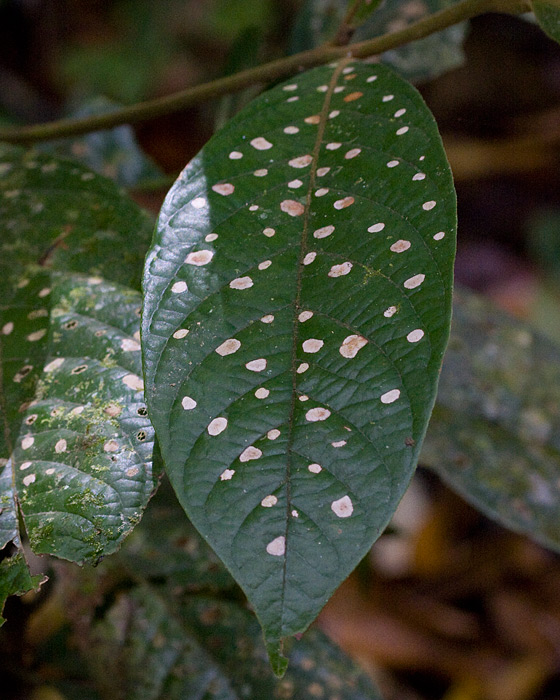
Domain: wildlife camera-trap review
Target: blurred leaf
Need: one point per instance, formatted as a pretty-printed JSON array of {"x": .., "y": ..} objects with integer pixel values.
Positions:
[
  {"x": 153, "y": 647},
  {"x": 548, "y": 17},
  {"x": 494, "y": 436},
  {"x": 114, "y": 153},
  {"x": 15, "y": 578},
  {"x": 285, "y": 319},
  {"x": 83, "y": 461},
  {"x": 417, "y": 61},
  {"x": 54, "y": 215}
]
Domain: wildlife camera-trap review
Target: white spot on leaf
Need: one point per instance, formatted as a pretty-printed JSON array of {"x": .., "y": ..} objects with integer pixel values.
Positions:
[
  {"x": 199, "y": 257},
  {"x": 181, "y": 333},
  {"x": 419, "y": 176},
  {"x": 312, "y": 345},
  {"x": 393, "y": 163},
  {"x": 427, "y": 206},
  {"x": 352, "y": 153},
  {"x": 37, "y": 335},
  {"x": 413, "y": 282},
  {"x": 179, "y": 287},
  {"x": 265, "y": 264},
  {"x": 261, "y": 172},
  {"x": 376, "y": 228},
  {"x": 199, "y": 202},
  {"x": 25, "y": 465},
  {"x": 333, "y": 146},
  {"x": 352, "y": 345},
  {"x": 217, "y": 426},
  {"x": 317, "y": 414},
  {"x": 111, "y": 446},
  {"x": 300, "y": 162},
  {"x": 339, "y": 443},
  {"x": 129, "y": 345},
  {"x": 224, "y": 189},
  {"x": 400, "y": 246},
  {"x": 402, "y": 130},
  {"x": 227, "y": 474},
  {"x": 291, "y": 207},
  {"x": 269, "y": 318},
  {"x": 256, "y": 365},
  {"x": 340, "y": 270},
  {"x": 188, "y": 403},
  {"x": 60, "y": 446},
  {"x": 415, "y": 335},
  {"x": 302, "y": 368},
  {"x": 250, "y": 453},
  {"x": 399, "y": 113},
  {"x": 262, "y": 393},
  {"x": 309, "y": 258},
  {"x": 390, "y": 396},
  {"x": 261, "y": 144},
  {"x": 29, "y": 479},
  {"x": 277, "y": 547},
  {"x": 323, "y": 232},
  {"x": 294, "y": 184},
  {"x": 27, "y": 442},
  {"x": 235, "y": 155},
  {"x": 241, "y": 283},
  {"x": 315, "y": 468},
  {"x": 305, "y": 316},
  {"x": 7, "y": 328},
  {"x": 269, "y": 232},
  {"x": 228, "y": 347},
  {"x": 211, "y": 237},
  {"x": 343, "y": 508},
  {"x": 391, "y": 311},
  {"x": 133, "y": 381},
  {"x": 343, "y": 203},
  {"x": 322, "y": 171},
  {"x": 439, "y": 236},
  {"x": 291, "y": 130},
  {"x": 269, "y": 501},
  {"x": 273, "y": 434}
]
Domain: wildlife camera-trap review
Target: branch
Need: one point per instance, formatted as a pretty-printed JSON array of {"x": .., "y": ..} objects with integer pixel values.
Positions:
[{"x": 263, "y": 74}]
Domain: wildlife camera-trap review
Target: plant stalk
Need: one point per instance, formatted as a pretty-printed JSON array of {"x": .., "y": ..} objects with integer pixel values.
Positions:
[{"x": 267, "y": 72}]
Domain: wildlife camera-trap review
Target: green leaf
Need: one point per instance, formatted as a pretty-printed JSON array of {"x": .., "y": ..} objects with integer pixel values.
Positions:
[
  {"x": 154, "y": 647},
  {"x": 54, "y": 215},
  {"x": 297, "y": 303},
  {"x": 548, "y": 17},
  {"x": 494, "y": 436},
  {"x": 83, "y": 460},
  {"x": 15, "y": 579},
  {"x": 114, "y": 153}
]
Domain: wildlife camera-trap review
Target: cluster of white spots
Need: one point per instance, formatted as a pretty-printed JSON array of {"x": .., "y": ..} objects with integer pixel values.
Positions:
[
  {"x": 7, "y": 328},
  {"x": 304, "y": 397},
  {"x": 217, "y": 426},
  {"x": 315, "y": 468},
  {"x": 393, "y": 163},
  {"x": 352, "y": 345},
  {"x": 188, "y": 403},
  {"x": 224, "y": 188},
  {"x": 250, "y": 453},
  {"x": 261, "y": 144},
  {"x": 198, "y": 202},
  {"x": 312, "y": 345},
  {"x": 322, "y": 171},
  {"x": 343, "y": 203},
  {"x": 228, "y": 347},
  {"x": 323, "y": 232},
  {"x": 401, "y": 131},
  {"x": 305, "y": 316},
  {"x": 262, "y": 393},
  {"x": 413, "y": 282},
  {"x": 265, "y": 264},
  {"x": 439, "y": 236},
  {"x": 29, "y": 479},
  {"x": 390, "y": 396},
  {"x": 295, "y": 514},
  {"x": 353, "y": 96},
  {"x": 391, "y": 311},
  {"x": 60, "y": 446},
  {"x": 338, "y": 443},
  {"x": 427, "y": 206},
  {"x": 269, "y": 232},
  {"x": 415, "y": 335},
  {"x": 294, "y": 184},
  {"x": 261, "y": 172},
  {"x": 289, "y": 88},
  {"x": 27, "y": 442},
  {"x": 235, "y": 155},
  {"x": 253, "y": 207},
  {"x": 181, "y": 333},
  {"x": 291, "y": 207},
  {"x": 227, "y": 474},
  {"x": 352, "y": 153},
  {"x": 371, "y": 79},
  {"x": 130, "y": 345},
  {"x": 199, "y": 257},
  {"x": 277, "y": 547},
  {"x": 241, "y": 283},
  {"x": 256, "y": 365},
  {"x": 37, "y": 335},
  {"x": 419, "y": 176},
  {"x": 302, "y": 368},
  {"x": 309, "y": 258},
  {"x": 340, "y": 270},
  {"x": 291, "y": 130},
  {"x": 333, "y": 146},
  {"x": 133, "y": 381},
  {"x": 179, "y": 287},
  {"x": 269, "y": 501},
  {"x": 399, "y": 112},
  {"x": 342, "y": 508},
  {"x": 300, "y": 161},
  {"x": 44, "y": 292},
  {"x": 400, "y": 246},
  {"x": 313, "y": 119},
  {"x": 211, "y": 237},
  {"x": 317, "y": 414},
  {"x": 273, "y": 434},
  {"x": 25, "y": 465},
  {"x": 111, "y": 446},
  {"x": 269, "y": 318}
]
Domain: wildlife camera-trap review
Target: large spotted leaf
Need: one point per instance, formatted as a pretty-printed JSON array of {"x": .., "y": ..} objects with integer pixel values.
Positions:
[
  {"x": 83, "y": 459},
  {"x": 297, "y": 304}
]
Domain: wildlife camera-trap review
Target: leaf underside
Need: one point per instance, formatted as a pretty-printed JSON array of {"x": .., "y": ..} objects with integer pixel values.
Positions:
[
  {"x": 297, "y": 304},
  {"x": 494, "y": 436}
]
